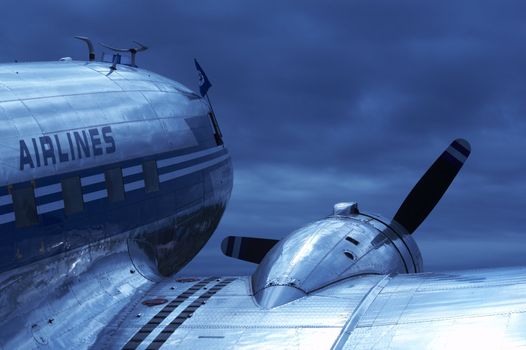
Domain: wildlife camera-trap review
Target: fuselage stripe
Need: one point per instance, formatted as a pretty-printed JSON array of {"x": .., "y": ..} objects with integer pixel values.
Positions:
[
  {"x": 48, "y": 207},
  {"x": 92, "y": 196},
  {"x": 133, "y": 185},
  {"x": 92, "y": 179},
  {"x": 5, "y": 218},
  {"x": 49, "y": 189},
  {"x": 179, "y": 159},
  {"x": 181, "y": 172},
  {"x": 6, "y": 200},
  {"x": 96, "y": 182},
  {"x": 136, "y": 169}
]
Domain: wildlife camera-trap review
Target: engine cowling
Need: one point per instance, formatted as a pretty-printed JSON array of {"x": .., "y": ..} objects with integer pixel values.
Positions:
[
  {"x": 347, "y": 243},
  {"x": 342, "y": 245}
]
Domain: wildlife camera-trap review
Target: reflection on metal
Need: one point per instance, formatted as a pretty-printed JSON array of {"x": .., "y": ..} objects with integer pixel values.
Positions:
[
  {"x": 345, "y": 209},
  {"x": 65, "y": 278},
  {"x": 321, "y": 253},
  {"x": 417, "y": 311}
]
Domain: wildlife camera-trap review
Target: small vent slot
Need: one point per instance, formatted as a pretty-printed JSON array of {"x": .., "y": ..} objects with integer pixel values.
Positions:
[
  {"x": 349, "y": 254},
  {"x": 352, "y": 240}
]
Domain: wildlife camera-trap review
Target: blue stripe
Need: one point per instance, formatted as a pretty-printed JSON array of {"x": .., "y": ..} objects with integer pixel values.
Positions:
[
  {"x": 7, "y": 199},
  {"x": 7, "y": 217},
  {"x": 48, "y": 199},
  {"x": 134, "y": 186},
  {"x": 92, "y": 179},
  {"x": 186, "y": 164},
  {"x": 49, "y": 189},
  {"x": 6, "y": 209},
  {"x": 50, "y": 180},
  {"x": 130, "y": 171},
  {"x": 95, "y": 190},
  {"x": 133, "y": 178},
  {"x": 102, "y": 219},
  {"x": 194, "y": 168}
]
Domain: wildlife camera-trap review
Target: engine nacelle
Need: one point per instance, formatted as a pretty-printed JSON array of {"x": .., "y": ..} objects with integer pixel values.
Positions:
[{"x": 345, "y": 244}]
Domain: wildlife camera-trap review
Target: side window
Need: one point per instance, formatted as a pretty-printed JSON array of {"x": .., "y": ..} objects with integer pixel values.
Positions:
[
  {"x": 72, "y": 194},
  {"x": 114, "y": 184},
  {"x": 151, "y": 179},
  {"x": 25, "y": 206}
]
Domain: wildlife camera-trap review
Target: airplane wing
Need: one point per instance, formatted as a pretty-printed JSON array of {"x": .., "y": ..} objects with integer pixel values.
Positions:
[
  {"x": 482, "y": 309},
  {"x": 349, "y": 281}
]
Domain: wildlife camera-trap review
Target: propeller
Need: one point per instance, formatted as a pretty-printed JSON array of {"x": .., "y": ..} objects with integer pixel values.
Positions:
[
  {"x": 249, "y": 249},
  {"x": 432, "y": 186}
]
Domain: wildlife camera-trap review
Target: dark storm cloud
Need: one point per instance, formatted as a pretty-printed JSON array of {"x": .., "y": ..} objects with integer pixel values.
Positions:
[{"x": 328, "y": 101}]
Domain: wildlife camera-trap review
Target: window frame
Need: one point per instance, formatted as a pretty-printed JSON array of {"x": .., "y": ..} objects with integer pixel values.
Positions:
[
  {"x": 72, "y": 205},
  {"x": 150, "y": 176},
  {"x": 115, "y": 185},
  {"x": 30, "y": 217}
]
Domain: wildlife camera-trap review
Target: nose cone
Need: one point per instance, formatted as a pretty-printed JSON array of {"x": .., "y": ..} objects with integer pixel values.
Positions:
[{"x": 273, "y": 296}]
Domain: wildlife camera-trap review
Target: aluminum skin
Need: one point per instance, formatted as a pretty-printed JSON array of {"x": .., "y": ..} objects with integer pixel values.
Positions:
[
  {"x": 83, "y": 120},
  {"x": 343, "y": 245},
  {"x": 483, "y": 309}
]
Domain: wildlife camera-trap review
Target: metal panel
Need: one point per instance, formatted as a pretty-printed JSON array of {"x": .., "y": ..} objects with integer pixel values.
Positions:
[
  {"x": 53, "y": 99},
  {"x": 25, "y": 80},
  {"x": 231, "y": 318},
  {"x": 474, "y": 309}
]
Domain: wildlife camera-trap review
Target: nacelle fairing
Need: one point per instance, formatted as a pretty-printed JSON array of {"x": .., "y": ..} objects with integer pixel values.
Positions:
[
  {"x": 343, "y": 245},
  {"x": 348, "y": 243}
]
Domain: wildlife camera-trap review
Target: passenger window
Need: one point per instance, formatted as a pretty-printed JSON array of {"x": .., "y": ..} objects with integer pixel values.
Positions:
[
  {"x": 72, "y": 194},
  {"x": 151, "y": 179},
  {"x": 114, "y": 184},
  {"x": 24, "y": 206}
]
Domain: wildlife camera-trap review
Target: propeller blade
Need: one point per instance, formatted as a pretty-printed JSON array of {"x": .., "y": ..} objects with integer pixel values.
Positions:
[
  {"x": 249, "y": 249},
  {"x": 432, "y": 186}
]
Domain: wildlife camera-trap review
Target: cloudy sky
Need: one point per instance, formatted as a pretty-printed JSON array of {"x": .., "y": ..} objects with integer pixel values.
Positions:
[{"x": 323, "y": 102}]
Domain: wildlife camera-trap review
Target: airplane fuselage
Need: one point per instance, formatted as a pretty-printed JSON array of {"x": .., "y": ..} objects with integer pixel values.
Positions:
[{"x": 90, "y": 156}]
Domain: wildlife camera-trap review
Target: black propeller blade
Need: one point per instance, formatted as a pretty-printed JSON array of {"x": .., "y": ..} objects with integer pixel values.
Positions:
[
  {"x": 249, "y": 249},
  {"x": 432, "y": 186}
]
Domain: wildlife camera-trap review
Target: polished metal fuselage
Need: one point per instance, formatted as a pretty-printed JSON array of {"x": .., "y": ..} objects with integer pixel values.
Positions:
[{"x": 80, "y": 120}]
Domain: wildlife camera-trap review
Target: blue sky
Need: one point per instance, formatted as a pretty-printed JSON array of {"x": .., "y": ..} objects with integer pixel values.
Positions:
[{"x": 322, "y": 102}]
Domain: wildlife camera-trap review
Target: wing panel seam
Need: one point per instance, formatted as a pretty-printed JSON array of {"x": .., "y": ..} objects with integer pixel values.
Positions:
[{"x": 362, "y": 308}]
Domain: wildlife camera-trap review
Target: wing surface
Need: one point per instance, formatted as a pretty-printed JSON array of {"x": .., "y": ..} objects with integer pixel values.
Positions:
[{"x": 482, "y": 309}]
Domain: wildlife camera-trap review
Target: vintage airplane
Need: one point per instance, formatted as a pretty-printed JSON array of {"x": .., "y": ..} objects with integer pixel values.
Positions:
[{"x": 113, "y": 178}]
